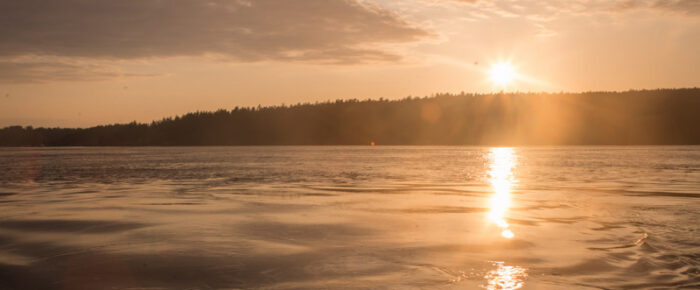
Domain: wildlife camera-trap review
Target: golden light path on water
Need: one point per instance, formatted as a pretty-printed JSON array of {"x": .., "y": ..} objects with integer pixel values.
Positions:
[
  {"x": 505, "y": 277},
  {"x": 502, "y": 163},
  {"x": 502, "y": 180}
]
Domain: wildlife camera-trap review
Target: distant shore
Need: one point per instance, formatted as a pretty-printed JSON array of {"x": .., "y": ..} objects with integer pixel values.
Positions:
[{"x": 644, "y": 117}]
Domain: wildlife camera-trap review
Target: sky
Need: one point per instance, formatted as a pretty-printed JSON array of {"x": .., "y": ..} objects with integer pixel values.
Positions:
[{"x": 79, "y": 63}]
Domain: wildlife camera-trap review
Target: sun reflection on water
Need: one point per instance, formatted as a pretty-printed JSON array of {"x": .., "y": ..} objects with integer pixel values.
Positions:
[
  {"x": 502, "y": 162},
  {"x": 506, "y": 277},
  {"x": 502, "y": 180}
]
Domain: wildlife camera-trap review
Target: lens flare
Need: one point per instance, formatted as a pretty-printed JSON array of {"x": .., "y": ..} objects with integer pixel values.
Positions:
[
  {"x": 502, "y": 74},
  {"x": 502, "y": 180}
]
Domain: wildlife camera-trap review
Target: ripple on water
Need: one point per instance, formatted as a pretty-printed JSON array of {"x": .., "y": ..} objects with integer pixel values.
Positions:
[{"x": 336, "y": 217}]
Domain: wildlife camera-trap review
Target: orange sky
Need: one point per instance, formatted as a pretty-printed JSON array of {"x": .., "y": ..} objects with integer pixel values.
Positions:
[{"x": 83, "y": 63}]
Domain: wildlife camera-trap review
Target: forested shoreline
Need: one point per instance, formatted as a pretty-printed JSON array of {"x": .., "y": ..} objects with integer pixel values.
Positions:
[{"x": 636, "y": 117}]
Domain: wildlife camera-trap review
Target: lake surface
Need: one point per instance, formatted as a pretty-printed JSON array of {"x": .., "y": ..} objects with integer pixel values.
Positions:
[{"x": 350, "y": 217}]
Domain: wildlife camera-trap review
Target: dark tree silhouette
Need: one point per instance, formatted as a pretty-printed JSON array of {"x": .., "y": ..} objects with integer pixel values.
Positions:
[{"x": 664, "y": 116}]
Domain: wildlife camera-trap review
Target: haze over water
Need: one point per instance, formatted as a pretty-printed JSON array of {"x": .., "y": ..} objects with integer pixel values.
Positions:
[{"x": 350, "y": 217}]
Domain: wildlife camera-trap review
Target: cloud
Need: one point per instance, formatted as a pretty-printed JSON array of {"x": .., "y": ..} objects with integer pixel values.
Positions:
[
  {"x": 37, "y": 70},
  {"x": 325, "y": 31},
  {"x": 542, "y": 14},
  {"x": 551, "y": 8},
  {"x": 688, "y": 7}
]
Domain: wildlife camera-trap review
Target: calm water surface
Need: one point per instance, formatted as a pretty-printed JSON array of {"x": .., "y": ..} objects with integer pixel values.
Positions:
[{"x": 350, "y": 217}]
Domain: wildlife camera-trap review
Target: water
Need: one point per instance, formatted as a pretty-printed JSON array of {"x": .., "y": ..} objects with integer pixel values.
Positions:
[{"x": 350, "y": 217}]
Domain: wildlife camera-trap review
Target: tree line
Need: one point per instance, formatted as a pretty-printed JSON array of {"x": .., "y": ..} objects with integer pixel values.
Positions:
[{"x": 663, "y": 116}]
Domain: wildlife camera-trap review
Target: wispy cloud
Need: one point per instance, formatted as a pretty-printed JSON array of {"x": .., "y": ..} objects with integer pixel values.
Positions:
[
  {"x": 686, "y": 7},
  {"x": 541, "y": 13},
  {"x": 549, "y": 8},
  {"x": 49, "y": 69}
]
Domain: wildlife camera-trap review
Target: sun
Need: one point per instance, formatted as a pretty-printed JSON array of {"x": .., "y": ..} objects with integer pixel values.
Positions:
[{"x": 502, "y": 74}]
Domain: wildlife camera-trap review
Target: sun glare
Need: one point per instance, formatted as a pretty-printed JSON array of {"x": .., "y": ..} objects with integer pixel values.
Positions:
[
  {"x": 506, "y": 277},
  {"x": 502, "y": 180},
  {"x": 502, "y": 74}
]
